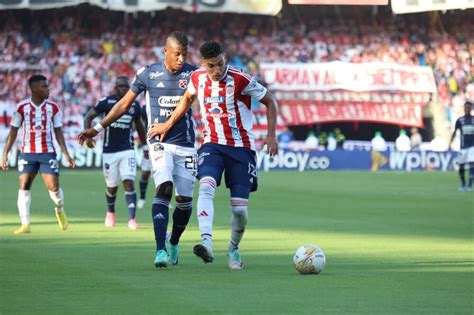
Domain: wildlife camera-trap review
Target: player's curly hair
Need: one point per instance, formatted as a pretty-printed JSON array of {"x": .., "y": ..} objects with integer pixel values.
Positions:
[
  {"x": 180, "y": 37},
  {"x": 36, "y": 78},
  {"x": 210, "y": 49}
]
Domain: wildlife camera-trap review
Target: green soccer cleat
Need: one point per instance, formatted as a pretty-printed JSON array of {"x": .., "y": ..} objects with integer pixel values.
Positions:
[
  {"x": 235, "y": 261},
  {"x": 204, "y": 251},
  {"x": 161, "y": 259},
  {"x": 173, "y": 251}
]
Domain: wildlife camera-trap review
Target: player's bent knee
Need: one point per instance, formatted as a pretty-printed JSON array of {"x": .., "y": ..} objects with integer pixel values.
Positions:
[
  {"x": 165, "y": 189},
  {"x": 240, "y": 211},
  {"x": 183, "y": 199}
]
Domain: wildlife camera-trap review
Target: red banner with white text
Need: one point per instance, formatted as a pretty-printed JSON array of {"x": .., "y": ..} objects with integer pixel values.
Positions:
[{"x": 338, "y": 91}]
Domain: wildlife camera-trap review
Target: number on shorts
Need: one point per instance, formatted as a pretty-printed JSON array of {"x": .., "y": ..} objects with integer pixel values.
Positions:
[
  {"x": 191, "y": 163},
  {"x": 54, "y": 165},
  {"x": 132, "y": 163}
]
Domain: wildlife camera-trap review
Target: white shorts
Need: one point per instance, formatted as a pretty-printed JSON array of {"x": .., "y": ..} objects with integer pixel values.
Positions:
[
  {"x": 176, "y": 164},
  {"x": 145, "y": 165},
  {"x": 119, "y": 166},
  {"x": 466, "y": 156}
]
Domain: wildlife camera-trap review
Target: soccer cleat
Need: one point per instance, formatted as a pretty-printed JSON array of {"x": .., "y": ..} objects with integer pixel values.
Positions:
[
  {"x": 462, "y": 188},
  {"x": 469, "y": 189},
  {"x": 110, "y": 219},
  {"x": 204, "y": 251},
  {"x": 62, "y": 220},
  {"x": 161, "y": 259},
  {"x": 173, "y": 251},
  {"x": 24, "y": 229},
  {"x": 141, "y": 203},
  {"x": 235, "y": 261},
  {"x": 132, "y": 224}
]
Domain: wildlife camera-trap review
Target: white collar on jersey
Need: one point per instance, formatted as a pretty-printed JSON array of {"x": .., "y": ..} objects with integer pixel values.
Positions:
[{"x": 37, "y": 106}]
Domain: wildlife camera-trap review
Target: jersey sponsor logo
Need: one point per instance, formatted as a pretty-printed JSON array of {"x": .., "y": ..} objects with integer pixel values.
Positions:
[
  {"x": 160, "y": 85},
  {"x": 183, "y": 84},
  {"x": 125, "y": 119},
  {"x": 186, "y": 74},
  {"x": 214, "y": 99},
  {"x": 119, "y": 125},
  {"x": 154, "y": 75},
  {"x": 216, "y": 112},
  {"x": 467, "y": 129},
  {"x": 109, "y": 101},
  {"x": 169, "y": 101},
  {"x": 166, "y": 112}
]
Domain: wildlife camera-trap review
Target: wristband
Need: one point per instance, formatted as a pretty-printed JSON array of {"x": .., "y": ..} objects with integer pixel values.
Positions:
[
  {"x": 99, "y": 128},
  {"x": 145, "y": 147}
]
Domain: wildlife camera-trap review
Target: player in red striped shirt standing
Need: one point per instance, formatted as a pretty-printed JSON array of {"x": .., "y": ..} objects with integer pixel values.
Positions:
[
  {"x": 224, "y": 95},
  {"x": 39, "y": 117}
]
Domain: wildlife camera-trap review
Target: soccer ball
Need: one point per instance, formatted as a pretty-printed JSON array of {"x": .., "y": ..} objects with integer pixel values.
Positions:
[{"x": 309, "y": 259}]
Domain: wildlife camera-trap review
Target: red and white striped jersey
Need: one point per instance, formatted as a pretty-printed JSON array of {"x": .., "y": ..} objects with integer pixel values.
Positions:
[
  {"x": 226, "y": 106},
  {"x": 38, "y": 123}
]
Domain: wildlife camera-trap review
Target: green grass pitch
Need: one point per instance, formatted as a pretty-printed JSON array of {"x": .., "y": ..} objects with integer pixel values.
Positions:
[{"x": 395, "y": 243}]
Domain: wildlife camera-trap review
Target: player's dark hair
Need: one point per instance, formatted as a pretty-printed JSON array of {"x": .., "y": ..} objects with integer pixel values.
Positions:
[
  {"x": 122, "y": 78},
  {"x": 469, "y": 103},
  {"x": 180, "y": 37},
  {"x": 36, "y": 78},
  {"x": 210, "y": 49}
]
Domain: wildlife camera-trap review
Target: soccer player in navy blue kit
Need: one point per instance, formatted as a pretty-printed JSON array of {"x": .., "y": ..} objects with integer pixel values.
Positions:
[
  {"x": 174, "y": 159},
  {"x": 118, "y": 151},
  {"x": 465, "y": 125}
]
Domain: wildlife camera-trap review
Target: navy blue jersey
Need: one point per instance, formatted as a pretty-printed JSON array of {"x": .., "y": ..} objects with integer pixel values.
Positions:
[
  {"x": 119, "y": 135},
  {"x": 163, "y": 90},
  {"x": 466, "y": 125}
]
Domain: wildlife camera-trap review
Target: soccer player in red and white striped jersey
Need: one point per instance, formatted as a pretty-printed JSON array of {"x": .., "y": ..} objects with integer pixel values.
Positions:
[
  {"x": 40, "y": 118},
  {"x": 224, "y": 95}
]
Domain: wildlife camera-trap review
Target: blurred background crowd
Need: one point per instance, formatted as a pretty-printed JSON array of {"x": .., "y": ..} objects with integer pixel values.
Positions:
[{"x": 82, "y": 49}]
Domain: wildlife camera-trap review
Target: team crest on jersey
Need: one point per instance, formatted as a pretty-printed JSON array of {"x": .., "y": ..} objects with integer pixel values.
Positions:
[
  {"x": 229, "y": 90},
  {"x": 183, "y": 83},
  {"x": 131, "y": 111}
]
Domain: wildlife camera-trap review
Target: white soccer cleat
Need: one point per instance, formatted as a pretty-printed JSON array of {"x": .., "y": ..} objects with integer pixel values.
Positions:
[{"x": 141, "y": 203}]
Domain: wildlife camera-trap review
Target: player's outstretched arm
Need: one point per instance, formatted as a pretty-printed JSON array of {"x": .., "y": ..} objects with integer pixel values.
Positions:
[
  {"x": 91, "y": 114},
  {"x": 183, "y": 106},
  {"x": 58, "y": 132},
  {"x": 122, "y": 106},
  {"x": 10, "y": 141},
  {"x": 272, "y": 108}
]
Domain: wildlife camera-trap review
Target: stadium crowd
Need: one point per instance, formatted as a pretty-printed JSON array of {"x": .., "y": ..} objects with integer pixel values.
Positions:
[{"x": 81, "y": 51}]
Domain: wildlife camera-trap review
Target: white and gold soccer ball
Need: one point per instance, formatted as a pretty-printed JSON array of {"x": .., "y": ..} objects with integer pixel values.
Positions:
[{"x": 309, "y": 259}]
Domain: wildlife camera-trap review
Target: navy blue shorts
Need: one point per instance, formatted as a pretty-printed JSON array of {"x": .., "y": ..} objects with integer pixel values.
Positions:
[
  {"x": 46, "y": 163},
  {"x": 238, "y": 164}
]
